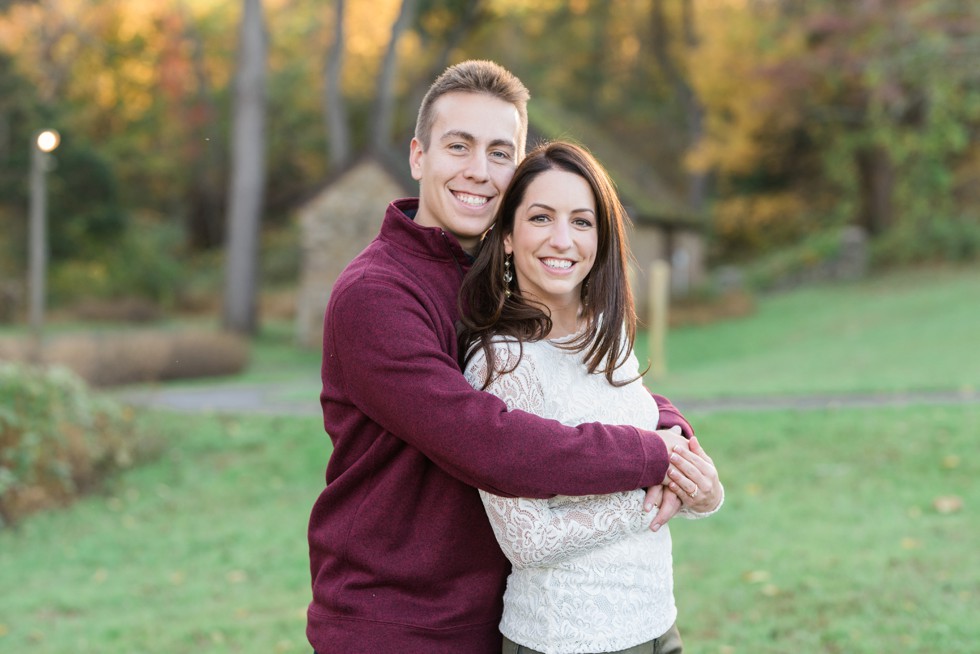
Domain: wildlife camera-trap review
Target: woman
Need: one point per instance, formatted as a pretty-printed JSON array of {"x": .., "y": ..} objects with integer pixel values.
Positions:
[{"x": 548, "y": 326}]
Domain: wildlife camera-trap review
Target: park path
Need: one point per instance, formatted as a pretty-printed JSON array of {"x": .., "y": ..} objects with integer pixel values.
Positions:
[{"x": 295, "y": 399}]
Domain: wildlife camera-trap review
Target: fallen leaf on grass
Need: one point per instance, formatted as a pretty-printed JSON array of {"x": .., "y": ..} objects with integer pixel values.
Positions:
[
  {"x": 236, "y": 576},
  {"x": 951, "y": 461},
  {"x": 756, "y": 576},
  {"x": 948, "y": 503}
]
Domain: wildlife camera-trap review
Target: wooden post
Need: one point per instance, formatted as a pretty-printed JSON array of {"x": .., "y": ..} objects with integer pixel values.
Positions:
[{"x": 659, "y": 294}]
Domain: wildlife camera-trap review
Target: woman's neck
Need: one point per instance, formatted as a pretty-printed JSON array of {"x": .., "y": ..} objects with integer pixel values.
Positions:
[{"x": 565, "y": 319}]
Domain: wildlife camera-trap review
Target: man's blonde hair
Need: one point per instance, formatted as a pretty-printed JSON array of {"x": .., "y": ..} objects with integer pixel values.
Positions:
[{"x": 474, "y": 76}]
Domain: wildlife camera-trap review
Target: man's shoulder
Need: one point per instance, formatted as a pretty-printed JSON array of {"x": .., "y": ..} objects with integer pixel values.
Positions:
[{"x": 375, "y": 262}]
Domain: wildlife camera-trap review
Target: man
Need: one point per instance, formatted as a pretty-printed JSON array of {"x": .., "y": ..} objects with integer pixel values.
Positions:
[{"x": 402, "y": 556}]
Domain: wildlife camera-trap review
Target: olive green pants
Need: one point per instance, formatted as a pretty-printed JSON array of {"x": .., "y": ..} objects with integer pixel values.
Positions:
[{"x": 669, "y": 643}]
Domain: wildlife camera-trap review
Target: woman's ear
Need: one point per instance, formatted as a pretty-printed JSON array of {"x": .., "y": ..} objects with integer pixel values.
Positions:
[{"x": 508, "y": 248}]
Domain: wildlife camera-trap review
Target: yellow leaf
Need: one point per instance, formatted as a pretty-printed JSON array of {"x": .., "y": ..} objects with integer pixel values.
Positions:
[{"x": 948, "y": 503}]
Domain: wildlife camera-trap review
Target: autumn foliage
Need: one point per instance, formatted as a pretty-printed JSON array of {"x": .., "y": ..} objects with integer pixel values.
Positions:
[{"x": 778, "y": 119}]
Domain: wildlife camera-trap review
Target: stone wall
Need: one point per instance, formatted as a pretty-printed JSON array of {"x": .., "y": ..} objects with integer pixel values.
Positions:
[{"x": 335, "y": 226}]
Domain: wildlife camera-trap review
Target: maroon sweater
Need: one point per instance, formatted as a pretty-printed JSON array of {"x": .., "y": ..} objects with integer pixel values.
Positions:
[{"x": 401, "y": 552}]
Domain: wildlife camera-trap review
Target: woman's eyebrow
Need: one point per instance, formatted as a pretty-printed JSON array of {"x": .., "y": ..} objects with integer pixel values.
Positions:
[{"x": 547, "y": 208}]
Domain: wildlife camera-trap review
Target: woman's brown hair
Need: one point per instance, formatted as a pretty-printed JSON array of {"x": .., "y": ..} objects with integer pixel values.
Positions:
[{"x": 487, "y": 311}]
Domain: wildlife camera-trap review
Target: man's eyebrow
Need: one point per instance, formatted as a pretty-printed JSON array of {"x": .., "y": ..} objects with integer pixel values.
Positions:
[
  {"x": 470, "y": 138},
  {"x": 503, "y": 143},
  {"x": 458, "y": 134}
]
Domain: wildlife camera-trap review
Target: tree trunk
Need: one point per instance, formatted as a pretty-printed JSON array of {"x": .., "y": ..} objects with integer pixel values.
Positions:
[
  {"x": 693, "y": 111},
  {"x": 384, "y": 107},
  {"x": 876, "y": 179},
  {"x": 335, "y": 109},
  {"x": 246, "y": 190},
  {"x": 204, "y": 225}
]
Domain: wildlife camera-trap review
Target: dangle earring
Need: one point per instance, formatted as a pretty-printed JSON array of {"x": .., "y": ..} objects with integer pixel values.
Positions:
[{"x": 508, "y": 276}]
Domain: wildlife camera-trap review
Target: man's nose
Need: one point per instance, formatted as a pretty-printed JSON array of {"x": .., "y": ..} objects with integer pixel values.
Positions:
[{"x": 477, "y": 167}]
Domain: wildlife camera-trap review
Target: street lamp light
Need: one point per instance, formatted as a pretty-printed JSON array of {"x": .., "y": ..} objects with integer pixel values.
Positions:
[{"x": 44, "y": 144}]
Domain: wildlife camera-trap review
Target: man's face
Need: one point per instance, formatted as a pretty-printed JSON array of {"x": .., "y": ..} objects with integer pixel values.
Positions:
[{"x": 470, "y": 160}]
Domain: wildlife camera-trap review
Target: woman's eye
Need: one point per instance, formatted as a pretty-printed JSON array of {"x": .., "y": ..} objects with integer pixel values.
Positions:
[{"x": 583, "y": 222}]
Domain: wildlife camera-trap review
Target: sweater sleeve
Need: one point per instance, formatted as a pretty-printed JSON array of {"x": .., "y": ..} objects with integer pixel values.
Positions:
[
  {"x": 671, "y": 417},
  {"x": 538, "y": 532},
  {"x": 393, "y": 366}
]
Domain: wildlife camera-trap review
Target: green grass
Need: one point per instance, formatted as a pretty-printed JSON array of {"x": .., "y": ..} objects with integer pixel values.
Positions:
[
  {"x": 828, "y": 542},
  {"x": 201, "y": 551},
  {"x": 906, "y": 331}
]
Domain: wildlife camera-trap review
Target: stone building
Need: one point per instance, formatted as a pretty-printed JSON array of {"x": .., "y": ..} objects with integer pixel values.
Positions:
[{"x": 336, "y": 224}]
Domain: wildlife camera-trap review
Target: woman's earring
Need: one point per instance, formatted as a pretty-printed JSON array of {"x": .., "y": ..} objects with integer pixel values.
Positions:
[{"x": 508, "y": 276}]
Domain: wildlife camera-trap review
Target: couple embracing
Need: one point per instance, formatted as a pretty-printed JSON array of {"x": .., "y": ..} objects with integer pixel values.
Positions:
[{"x": 500, "y": 479}]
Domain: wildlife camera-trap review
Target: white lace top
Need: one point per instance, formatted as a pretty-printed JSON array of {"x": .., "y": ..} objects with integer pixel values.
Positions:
[{"x": 588, "y": 575}]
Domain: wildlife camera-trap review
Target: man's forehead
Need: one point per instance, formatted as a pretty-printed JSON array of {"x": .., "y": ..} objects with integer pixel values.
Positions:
[{"x": 475, "y": 117}]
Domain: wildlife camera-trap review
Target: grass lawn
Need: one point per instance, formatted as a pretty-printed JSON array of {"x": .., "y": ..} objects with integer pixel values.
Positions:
[
  {"x": 843, "y": 531},
  {"x": 914, "y": 330},
  {"x": 203, "y": 550},
  {"x": 829, "y": 541}
]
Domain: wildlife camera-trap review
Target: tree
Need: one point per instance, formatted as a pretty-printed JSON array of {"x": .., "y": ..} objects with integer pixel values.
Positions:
[
  {"x": 335, "y": 109},
  {"x": 384, "y": 107},
  {"x": 684, "y": 92},
  {"x": 246, "y": 191}
]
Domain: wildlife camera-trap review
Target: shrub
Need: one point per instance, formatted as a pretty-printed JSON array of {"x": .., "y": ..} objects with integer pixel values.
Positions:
[
  {"x": 57, "y": 439},
  {"x": 145, "y": 262}
]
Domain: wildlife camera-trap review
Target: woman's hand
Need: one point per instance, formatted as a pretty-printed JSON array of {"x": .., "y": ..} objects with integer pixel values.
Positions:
[{"x": 693, "y": 477}]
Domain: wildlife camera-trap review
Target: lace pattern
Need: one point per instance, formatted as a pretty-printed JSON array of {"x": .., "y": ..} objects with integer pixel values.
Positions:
[{"x": 588, "y": 575}]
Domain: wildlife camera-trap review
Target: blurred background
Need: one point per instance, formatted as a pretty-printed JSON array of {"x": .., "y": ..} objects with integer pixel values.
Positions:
[
  {"x": 181, "y": 181},
  {"x": 766, "y": 126}
]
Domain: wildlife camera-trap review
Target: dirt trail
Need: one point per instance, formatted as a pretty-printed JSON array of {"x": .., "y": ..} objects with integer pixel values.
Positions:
[{"x": 288, "y": 400}]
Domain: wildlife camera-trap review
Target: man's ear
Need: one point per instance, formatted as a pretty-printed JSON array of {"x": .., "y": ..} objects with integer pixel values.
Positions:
[{"x": 415, "y": 158}]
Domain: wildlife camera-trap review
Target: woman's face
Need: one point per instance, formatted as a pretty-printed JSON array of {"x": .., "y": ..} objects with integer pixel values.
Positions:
[{"x": 555, "y": 238}]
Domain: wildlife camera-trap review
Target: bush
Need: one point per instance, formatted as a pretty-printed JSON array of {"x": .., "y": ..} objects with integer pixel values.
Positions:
[
  {"x": 831, "y": 255},
  {"x": 57, "y": 439},
  {"x": 942, "y": 239},
  {"x": 145, "y": 262}
]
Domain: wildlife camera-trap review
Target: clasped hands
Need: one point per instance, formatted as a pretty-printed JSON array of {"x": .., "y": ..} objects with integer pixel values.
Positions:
[{"x": 691, "y": 481}]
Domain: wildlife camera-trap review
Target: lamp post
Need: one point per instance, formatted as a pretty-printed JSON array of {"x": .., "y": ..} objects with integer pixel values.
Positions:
[{"x": 45, "y": 143}]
